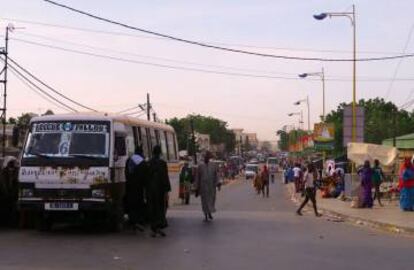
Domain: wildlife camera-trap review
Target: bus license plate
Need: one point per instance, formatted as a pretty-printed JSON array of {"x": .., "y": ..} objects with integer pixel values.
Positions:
[{"x": 62, "y": 206}]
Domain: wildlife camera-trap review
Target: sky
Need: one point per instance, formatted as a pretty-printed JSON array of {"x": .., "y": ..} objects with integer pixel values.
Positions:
[{"x": 255, "y": 104}]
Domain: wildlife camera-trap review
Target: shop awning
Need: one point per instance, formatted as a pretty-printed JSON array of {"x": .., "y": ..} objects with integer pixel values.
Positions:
[{"x": 359, "y": 152}]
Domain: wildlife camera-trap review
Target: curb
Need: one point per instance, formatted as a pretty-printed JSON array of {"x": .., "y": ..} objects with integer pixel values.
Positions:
[{"x": 382, "y": 226}]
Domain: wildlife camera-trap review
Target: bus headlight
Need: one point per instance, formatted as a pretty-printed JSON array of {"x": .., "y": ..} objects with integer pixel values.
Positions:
[
  {"x": 98, "y": 193},
  {"x": 26, "y": 192}
]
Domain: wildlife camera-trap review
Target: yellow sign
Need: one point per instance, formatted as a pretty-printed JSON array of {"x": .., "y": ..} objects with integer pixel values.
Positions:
[{"x": 324, "y": 132}]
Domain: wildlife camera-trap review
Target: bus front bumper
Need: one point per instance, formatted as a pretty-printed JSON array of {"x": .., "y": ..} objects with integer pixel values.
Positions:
[{"x": 78, "y": 205}]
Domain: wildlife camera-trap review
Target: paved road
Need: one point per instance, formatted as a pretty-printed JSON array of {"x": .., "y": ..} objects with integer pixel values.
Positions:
[{"x": 249, "y": 232}]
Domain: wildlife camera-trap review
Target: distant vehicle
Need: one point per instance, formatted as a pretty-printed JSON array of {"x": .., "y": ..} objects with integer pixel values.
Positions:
[
  {"x": 237, "y": 161},
  {"x": 251, "y": 171},
  {"x": 254, "y": 161},
  {"x": 73, "y": 164},
  {"x": 273, "y": 167}
]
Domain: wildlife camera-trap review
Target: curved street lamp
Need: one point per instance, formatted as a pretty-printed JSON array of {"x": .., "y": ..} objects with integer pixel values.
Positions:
[
  {"x": 322, "y": 76},
  {"x": 307, "y": 104},
  {"x": 300, "y": 114},
  {"x": 351, "y": 16}
]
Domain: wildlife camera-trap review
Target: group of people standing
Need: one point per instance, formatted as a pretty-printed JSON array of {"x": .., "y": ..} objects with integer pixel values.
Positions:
[
  {"x": 371, "y": 177},
  {"x": 261, "y": 182},
  {"x": 146, "y": 194}
]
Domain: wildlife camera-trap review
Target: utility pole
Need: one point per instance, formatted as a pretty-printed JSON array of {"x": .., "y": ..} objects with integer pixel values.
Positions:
[
  {"x": 394, "y": 124},
  {"x": 193, "y": 140},
  {"x": 4, "y": 82},
  {"x": 154, "y": 117},
  {"x": 148, "y": 108}
]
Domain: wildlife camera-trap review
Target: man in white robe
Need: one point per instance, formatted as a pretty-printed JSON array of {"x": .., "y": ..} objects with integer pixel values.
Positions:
[{"x": 206, "y": 183}]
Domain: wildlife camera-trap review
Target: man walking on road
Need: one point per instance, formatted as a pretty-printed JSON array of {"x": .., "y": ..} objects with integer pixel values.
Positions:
[
  {"x": 310, "y": 194},
  {"x": 206, "y": 183}
]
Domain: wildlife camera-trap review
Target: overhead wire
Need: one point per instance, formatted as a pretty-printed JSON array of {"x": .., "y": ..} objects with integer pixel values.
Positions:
[
  {"x": 238, "y": 74},
  {"x": 38, "y": 92},
  {"x": 149, "y": 57},
  {"x": 129, "y": 109},
  {"x": 221, "y": 48},
  {"x": 339, "y": 78},
  {"x": 397, "y": 68},
  {"x": 116, "y": 33},
  {"x": 49, "y": 87},
  {"x": 40, "y": 89}
]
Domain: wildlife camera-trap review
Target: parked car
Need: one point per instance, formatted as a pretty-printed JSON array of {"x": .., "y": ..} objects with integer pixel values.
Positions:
[{"x": 251, "y": 171}]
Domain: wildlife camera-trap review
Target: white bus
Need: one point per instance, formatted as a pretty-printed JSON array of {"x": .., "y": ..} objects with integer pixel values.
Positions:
[{"x": 74, "y": 164}]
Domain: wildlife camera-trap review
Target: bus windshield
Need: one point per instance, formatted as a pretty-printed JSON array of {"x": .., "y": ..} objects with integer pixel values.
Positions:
[{"x": 68, "y": 140}]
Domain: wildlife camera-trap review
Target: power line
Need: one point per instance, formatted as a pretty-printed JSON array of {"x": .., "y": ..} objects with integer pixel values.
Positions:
[
  {"x": 37, "y": 91},
  {"x": 116, "y": 33},
  {"x": 49, "y": 87},
  {"x": 238, "y": 74},
  {"x": 211, "y": 46},
  {"x": 40, "y": 89},
  {"x": 129, "y": 109},
  {"x": 149, "y": 57},
  {"x": 399, "y": 62},
  {"x": 339, "y": 78}
]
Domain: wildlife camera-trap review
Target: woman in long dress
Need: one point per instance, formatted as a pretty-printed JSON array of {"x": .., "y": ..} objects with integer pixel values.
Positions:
[
  {"x": 406, "y": 185},
  {"x": 365, "y": 174}
]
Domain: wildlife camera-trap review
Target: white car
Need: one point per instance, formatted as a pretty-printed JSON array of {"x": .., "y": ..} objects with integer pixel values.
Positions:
[{"x": 251, "y": 171}]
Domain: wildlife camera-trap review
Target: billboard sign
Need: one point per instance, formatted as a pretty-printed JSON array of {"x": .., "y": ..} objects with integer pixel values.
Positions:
[
  {"x": 324, "y": 136},
  {"x": 347, "y": 124}
]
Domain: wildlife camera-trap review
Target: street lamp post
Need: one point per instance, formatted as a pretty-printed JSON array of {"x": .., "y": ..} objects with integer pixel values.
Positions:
[
  {"x": 300, "y": 117},
  {"x": 307, "y": 104},
  {"x": 351, "y": 16},
  {"x": 322, "y": 76}
]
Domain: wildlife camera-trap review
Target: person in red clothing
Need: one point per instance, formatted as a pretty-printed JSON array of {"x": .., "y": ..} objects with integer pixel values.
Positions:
[
  {"x": 265, "y": 181},
  {"x": 406, "y": 185}
]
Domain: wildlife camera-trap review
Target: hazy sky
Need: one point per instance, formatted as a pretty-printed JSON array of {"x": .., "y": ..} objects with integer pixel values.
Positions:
[{"x": 256, "y": 104}]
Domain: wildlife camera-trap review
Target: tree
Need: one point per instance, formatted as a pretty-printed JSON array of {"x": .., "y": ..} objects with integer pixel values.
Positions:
[
  {"x": 49, "y": 112},
  {"x": 283, "y": 142},
  {"x": 23, "y": 121},
  {"x": 12, "y": 121},
  {"x": 379, "y": 123},
  {"x": 216, "y": 128}
]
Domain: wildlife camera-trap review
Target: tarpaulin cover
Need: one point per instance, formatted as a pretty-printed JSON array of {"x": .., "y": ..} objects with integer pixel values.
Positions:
[{"x": 359, "y": 152}]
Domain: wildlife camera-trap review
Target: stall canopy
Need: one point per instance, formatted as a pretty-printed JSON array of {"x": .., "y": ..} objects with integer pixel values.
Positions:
[{"x": 359, "y": 152}]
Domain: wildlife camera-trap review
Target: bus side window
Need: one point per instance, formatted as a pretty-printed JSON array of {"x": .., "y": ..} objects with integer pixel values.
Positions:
[
  {"x": 144, "y": 140},
  {"x": 153, "y": 138},
  {"x": 120, "y": 147},
  {"x": 137, "y": 136},
  {"x": 171, "y": 147},
  {"x": 130, "y": 141},
  {"x": 163, "y": 144}
]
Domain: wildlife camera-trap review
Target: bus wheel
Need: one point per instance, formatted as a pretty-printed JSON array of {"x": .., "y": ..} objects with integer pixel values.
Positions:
[
  {"x": 44, "y": 223},
  {"x": 115, "y": 221}
]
